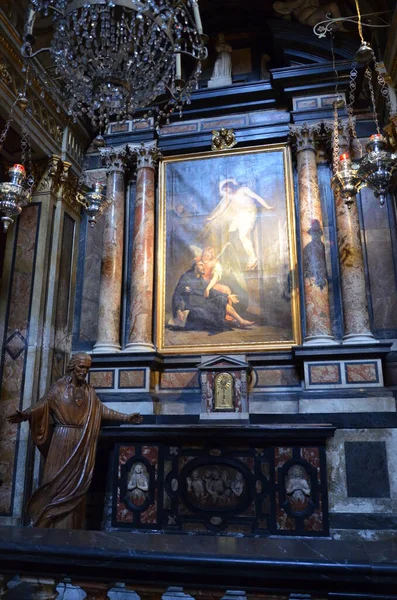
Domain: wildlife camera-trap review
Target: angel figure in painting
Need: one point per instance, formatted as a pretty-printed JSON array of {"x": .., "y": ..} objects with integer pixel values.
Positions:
[{"x": 237, "y": 212}]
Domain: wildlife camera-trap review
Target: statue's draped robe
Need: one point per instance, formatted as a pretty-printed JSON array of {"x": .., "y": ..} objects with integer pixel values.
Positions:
[{"x": 66, "y": 432}]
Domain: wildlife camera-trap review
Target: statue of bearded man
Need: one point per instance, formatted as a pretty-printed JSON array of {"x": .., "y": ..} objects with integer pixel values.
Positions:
[{"x": 65, "y": 428}]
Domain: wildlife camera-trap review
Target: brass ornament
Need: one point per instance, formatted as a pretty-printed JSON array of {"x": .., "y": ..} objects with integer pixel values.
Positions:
[
  {"x": 223, "y": 139},
  {"x": 224, "y": 391}
]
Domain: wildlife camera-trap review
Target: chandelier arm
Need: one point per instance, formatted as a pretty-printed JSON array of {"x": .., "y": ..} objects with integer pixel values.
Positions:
[
  {"x": 321, "y": 28},
  {"x": 29, "y": 54}
]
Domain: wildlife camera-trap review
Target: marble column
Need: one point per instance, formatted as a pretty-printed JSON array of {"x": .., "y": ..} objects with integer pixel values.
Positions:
[
  {"x": 318, "y": 321},
  {"x": 354, "y": 296},
  {"x": 108, "y": 339},
  {"x": 140, "y": 338}
]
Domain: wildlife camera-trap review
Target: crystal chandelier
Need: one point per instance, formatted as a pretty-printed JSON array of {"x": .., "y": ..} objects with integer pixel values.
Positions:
[
  {"x": 17, "y": 192},
  {"x": 113, "y": 57}
]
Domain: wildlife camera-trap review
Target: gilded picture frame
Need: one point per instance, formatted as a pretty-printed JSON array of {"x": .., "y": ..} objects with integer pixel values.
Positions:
[{"x": 226, "y": 257}]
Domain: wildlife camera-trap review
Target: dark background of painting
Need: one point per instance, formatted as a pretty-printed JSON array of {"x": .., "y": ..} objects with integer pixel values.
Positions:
[{"x": 192, "y": 192}]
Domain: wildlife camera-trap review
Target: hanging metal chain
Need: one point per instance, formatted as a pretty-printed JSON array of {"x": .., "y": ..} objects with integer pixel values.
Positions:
[
  {"x": 352, "y": 97},
  {"x": 24, "y": 138},
  {"x": 359, "y": 24},
  {"x": 335, "y": 140},
  {"x": 30, "y": 175},
  {"x": 7, "y": 126},
  {"x": 368, "y": 75},
  {"x": 384, "y": 88}
]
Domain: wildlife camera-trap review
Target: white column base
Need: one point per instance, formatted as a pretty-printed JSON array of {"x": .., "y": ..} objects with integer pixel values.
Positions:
[
  {"x": 106, "y": 348},
  {"x": 359, "y": 338},
  {"x": 320, "y": 340},
  {"x": 138, "y": 347},
  {"x": 218, "y": 82}
]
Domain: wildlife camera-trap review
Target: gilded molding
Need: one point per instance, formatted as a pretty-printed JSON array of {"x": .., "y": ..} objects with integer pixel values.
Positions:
[{"x": 49, "y": 181}]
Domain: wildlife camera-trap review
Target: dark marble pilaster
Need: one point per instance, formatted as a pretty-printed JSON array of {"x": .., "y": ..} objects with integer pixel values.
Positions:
[
  {"x": 140, "y": 337},
  {"x": 108, "y": 339},
  {"x": 318, "y": 321}
]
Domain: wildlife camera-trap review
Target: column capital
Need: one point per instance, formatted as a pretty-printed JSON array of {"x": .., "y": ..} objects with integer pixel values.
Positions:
[
  {"x": 305, "y": 135},
  {"x": 147, "y": 155},
  {"x": 344, "y": 132},
  {"x": 115, "y": 158}
]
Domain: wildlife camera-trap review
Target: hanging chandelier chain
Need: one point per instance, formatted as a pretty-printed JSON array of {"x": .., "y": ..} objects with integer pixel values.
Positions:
[
  {"x": 352, "y": 96},
  {"x": 335, "y": 139},
  {"x": 24, "y": 138},
  {"x": 359, "y": 23},
  {"x": 30, "y": 175},
  {"x": 368, "y": 75},
  {"x": 7, "y": 126},
  {"x": 384, "y": 88}
]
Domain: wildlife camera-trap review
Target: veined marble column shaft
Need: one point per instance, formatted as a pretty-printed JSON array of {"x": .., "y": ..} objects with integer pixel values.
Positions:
[
  {"x": 354, "y": 298},
  {"x": 140, "y": 337},
  {"x": 108, "y": 338},
  {"x": 318, "y": 321}
]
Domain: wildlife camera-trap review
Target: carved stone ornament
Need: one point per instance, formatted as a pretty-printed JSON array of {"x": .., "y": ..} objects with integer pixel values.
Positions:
[
  {"x": 223, "y": 139},
  {"x": 115, "y": 158},
  {"x": 210, "y": 485},
  {"x": 297, "y": 488},
  {"x": 138, "y": 484},
  {"x": 147, "y": 155},
  {"x": 305, "y": 136}
]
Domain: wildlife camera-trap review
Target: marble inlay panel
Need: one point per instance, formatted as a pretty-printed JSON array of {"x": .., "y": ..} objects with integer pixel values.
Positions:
[
  {"x": 16, "y": 330},
  {"x": 132, "y": 378},
  {"x": 288, "y": 377},
  {"x": 102, "y": 379},
  {"x": 360, "y": 373},
  {"x": 179, "y": 380},
  {"x": 325, "y": 373}
]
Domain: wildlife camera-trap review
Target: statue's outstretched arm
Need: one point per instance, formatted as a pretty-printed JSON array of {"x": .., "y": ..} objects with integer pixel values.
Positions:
[{"x": 108, "y": 414}]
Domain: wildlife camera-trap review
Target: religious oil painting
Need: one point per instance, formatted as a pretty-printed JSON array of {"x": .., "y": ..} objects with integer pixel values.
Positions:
[{"x": 227, "y": 252}]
